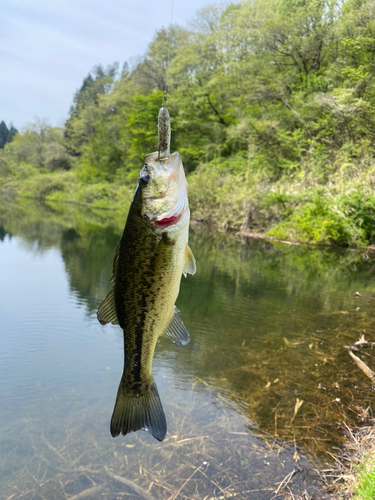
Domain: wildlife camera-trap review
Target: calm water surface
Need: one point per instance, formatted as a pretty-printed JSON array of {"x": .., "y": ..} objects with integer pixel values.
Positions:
[{"x": 268, "y": 326}]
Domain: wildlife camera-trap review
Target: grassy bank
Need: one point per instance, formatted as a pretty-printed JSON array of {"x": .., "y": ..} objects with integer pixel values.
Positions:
[
  {"x": 314, "y": 206},
  {"x": 66, "y": 187},
  {"x": 353, "y": 477}
]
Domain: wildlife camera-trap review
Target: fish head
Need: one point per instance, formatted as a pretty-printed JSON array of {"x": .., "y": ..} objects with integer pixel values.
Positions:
[{"x": 164, "y": 190}]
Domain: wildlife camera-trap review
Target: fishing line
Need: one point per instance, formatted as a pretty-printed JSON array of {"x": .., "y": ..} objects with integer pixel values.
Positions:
[
  {"x": 169, "y": 49},
  {"x": 164, "y": 131}
]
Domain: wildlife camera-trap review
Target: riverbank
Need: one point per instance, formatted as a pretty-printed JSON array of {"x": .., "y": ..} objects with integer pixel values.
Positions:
[
  {"x": 315, "y": 207},
  {"x": 66, "y": 187},
  {"x": 335, "y": 209},
  {"x": 354, "y": 474}
]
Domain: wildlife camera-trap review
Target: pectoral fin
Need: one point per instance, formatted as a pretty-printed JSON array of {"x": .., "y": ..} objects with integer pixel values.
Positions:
[
  {"x": 107, "y": 311},
  {"x": 176, "y": 331},
  {"x": 189, "y": 262}
]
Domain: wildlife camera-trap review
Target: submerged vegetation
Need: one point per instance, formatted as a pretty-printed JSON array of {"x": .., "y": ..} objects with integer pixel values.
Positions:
[{"x": 272, "y": 106}]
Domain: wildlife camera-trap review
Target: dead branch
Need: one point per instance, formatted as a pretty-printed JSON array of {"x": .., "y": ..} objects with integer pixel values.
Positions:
[
  {"x": 366, "y": 370},
  {"x": 87, "y": 493},
  {"x": 185, "y": 483},
  {"x": 135, "y": 487},
  {"x": 284, "y": 483}
]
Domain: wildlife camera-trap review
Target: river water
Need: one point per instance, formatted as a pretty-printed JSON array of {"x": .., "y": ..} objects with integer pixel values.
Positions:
[{"x": 264, "y": 388}]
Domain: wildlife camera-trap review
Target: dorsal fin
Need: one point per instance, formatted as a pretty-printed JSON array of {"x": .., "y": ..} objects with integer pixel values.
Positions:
[
  {"x": 189, "y": 262},
  {"x": 176, "y": 331}
]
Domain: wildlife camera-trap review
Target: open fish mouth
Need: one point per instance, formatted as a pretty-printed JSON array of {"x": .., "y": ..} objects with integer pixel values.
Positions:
[
  {"x": 164, "y": 189},
  {"x": 168, "y": 221}
]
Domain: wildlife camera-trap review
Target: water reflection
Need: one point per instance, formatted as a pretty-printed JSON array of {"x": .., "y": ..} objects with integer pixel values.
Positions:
[
  {"x": 3, "y": 234},
  {"x": 268, "y": 325}
]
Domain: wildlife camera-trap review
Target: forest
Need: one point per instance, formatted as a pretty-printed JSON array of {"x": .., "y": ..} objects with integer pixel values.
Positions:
[{"x": 272, "y": 108}]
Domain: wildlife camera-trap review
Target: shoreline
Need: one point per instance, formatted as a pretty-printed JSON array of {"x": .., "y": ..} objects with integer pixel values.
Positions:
[
  {"x": 212, "y": 224},
  {"x": 345, "y": 480},
  {"x": 354, "y": 463}
]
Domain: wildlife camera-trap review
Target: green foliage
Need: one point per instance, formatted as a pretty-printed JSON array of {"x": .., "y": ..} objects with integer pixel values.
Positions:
[
  {"x": 317, "y": 222},
  {"x": 272, "y": 108},
  {"x": 83, "y": 113},
  {"x": 40, "y": 146},
  {"x": 141, "y": 126},
  {"x": 225, "y": 203},
  {"x": 366, "y": 480},
  {"x": 66, "y": 187},
  {"x": 166, "y": 44},
  {"x": 359, "y": 208}
]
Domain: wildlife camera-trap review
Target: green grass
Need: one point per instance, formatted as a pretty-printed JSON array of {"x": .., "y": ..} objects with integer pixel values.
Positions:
[{"x": 366, "y": 480}]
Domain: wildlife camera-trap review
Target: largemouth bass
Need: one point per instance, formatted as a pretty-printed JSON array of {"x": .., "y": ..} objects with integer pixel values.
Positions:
[{"x": 152, "y": 255}]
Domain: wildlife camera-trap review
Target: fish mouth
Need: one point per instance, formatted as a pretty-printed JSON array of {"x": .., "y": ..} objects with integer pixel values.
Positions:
[
  {"x": 168, "y": 221},
  {"x": 177, "y": 210},
  {"x": 165, "y": 220},
  {"x": 168, "y": 205}
]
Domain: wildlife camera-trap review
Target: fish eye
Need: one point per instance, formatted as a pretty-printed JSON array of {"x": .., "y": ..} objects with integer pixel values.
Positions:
[{"x": 145, "y": 176}]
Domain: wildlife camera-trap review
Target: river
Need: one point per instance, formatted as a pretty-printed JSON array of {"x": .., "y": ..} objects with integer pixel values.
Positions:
[{"x": 264, "y": 388}]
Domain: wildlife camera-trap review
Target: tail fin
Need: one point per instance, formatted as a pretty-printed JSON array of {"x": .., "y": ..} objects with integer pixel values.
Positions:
[{"x": 139, "y": 413}]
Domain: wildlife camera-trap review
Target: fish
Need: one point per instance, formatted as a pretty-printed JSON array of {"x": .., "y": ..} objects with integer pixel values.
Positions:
[{"x": 148, "y": 264}]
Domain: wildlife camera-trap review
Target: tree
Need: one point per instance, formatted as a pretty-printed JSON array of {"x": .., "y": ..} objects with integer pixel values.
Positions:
[
  {"x": 6, "y": 135},
  {"x": 3, "y": 134},
  {"x": 80, "y": 124},
  {"x": 11, "y": 133},
  {"x": 151, "y": 72},
  {"x": 40, "y": 146}
]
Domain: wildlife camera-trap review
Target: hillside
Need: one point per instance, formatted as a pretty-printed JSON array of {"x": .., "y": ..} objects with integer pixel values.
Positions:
[{"x": 272, "y": 106}]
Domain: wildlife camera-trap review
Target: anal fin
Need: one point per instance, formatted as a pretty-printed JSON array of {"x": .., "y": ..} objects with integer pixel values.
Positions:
[{"x": 176, "y": 331}]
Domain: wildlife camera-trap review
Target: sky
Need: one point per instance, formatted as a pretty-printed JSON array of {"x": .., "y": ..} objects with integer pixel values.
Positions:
[{"x": 47, "y": 47}]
